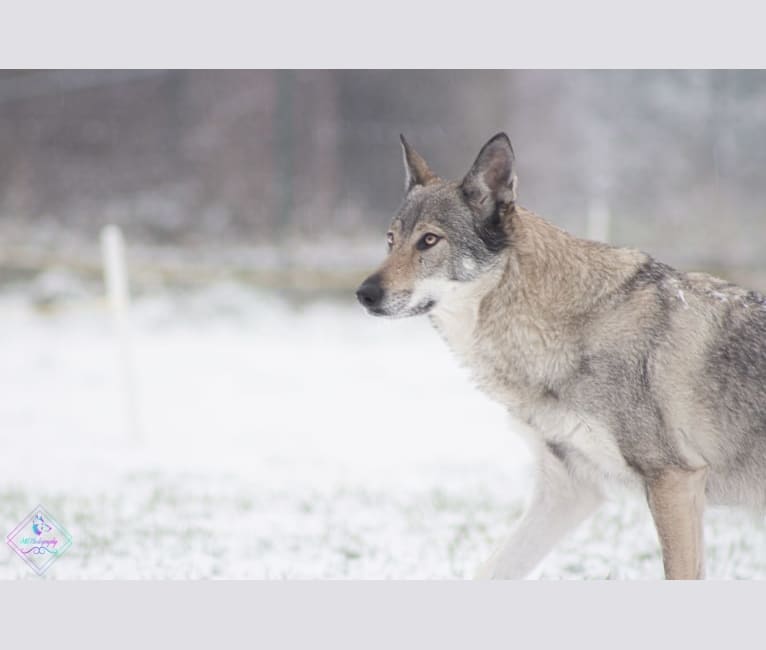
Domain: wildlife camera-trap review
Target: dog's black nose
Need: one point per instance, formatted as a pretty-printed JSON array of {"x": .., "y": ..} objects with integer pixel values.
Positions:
[{"x": 370, "y": 293}]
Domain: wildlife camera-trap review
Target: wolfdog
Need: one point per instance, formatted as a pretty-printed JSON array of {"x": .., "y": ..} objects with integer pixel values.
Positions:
[{"x": 621, "y": 370}]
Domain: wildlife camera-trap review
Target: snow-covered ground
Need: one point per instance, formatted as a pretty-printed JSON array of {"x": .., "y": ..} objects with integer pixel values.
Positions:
[{"x": 278, "y": 440}]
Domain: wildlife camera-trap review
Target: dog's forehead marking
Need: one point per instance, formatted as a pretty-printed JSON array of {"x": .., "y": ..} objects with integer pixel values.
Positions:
[
  {"x": 429, "y": 202},
  {"x": 411, "y": 210}
]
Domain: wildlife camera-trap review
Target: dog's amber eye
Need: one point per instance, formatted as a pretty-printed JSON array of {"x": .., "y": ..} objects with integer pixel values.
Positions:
[
  {"x": 390, "y": 239},
  {"x": 427, "y": 240}
]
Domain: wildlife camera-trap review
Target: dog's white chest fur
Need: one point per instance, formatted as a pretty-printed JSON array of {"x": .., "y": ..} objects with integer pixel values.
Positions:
[
  {"x": 457, "y": 313},
  {"x": 588, "y": 446},
  {"x": 456, "y": 324}
]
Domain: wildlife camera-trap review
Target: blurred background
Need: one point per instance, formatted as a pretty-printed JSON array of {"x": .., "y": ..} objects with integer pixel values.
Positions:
[
  {"x": 273, "y": 170},
  {"x": 239, "y": 416}
]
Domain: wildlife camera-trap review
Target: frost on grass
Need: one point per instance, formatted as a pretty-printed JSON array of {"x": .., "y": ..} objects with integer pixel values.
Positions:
[{"x": 159, "y": 524}]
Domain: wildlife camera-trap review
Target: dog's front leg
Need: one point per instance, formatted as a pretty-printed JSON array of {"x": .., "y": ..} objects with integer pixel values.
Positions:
[
  {"x": 677, "y": 500},
  {"x": 559, "y": 503}
]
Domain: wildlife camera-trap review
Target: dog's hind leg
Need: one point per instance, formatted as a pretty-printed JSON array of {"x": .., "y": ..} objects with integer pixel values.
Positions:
[
  {"x": 559, "y": 503},
  {"x": 677, "y": 500}
]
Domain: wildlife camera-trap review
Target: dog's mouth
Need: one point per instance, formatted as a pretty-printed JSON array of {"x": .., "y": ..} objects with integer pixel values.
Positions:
[
  {"x": 423, "y": 308},
  {"x": 419, "y": 309}
]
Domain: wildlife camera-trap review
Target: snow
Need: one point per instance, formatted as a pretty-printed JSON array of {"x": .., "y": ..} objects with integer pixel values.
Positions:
[{"x": 280, "y": 439}]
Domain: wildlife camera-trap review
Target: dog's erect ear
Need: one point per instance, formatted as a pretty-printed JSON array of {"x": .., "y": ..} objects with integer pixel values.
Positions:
[
  {"x": 416, "y": 169},
  {"x": 492, "y": 179}
]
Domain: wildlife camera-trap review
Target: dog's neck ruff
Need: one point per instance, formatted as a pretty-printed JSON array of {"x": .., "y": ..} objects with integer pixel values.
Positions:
[{"x": 456, "y": 315}]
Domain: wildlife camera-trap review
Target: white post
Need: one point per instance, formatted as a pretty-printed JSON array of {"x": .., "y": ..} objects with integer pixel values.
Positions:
[
  {"x": 118, "y": 296},
  {"x": 599, "y": 221}
]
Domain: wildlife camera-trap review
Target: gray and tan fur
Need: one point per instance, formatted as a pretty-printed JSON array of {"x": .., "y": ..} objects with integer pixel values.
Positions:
[{"x": 623, "y": 370}]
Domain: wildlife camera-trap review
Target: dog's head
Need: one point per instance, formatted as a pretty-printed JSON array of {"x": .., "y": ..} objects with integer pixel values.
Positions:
[{"x": 445, "y": 234}]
